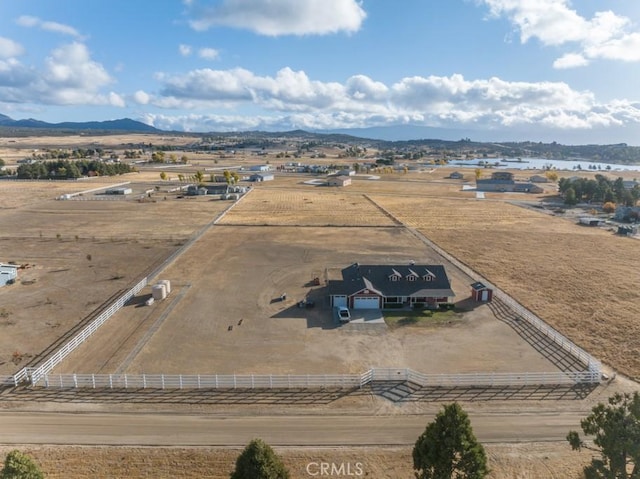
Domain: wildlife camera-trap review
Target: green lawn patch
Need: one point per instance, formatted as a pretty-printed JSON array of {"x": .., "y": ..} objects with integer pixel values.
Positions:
[{"x": 420, "y": 318}]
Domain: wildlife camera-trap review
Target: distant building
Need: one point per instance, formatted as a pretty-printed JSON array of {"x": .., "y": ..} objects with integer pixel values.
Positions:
[
  {"x": 339, "y": 181},
  {"x": 456, "y": 175},
  {"x": 260, "y": 168},
  {"x": 539, "y": 179},
  {"x": 259, "y": 177},
  {"x": 8, "y": 273},
  {"x": 118, "y": 191},
  {"x": 502, "y": 181}
]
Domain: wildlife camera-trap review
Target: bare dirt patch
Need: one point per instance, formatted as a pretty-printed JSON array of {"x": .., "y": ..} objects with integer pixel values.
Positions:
[{"x": 237, "y": 273}]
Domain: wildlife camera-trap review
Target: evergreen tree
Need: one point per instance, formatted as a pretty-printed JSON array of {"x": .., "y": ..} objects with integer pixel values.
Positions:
[
  {"x": 18, "y": 465},
  {"x": 616, "y": 436},
  {"x": 448, "y": 449},
  {"x": 259, "y": 461}
]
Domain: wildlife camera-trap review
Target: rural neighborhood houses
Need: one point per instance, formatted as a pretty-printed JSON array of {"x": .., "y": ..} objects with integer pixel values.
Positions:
[{"x": 391, "y": 286}]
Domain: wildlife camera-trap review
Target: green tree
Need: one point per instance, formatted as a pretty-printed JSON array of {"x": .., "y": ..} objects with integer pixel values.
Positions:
[
  {"x": 199, "y": 176},
  {"x": 478, "y": 173},
  {"x": 163, "y": 176},
  {"x": 615, "y": 428},
  {"x": 570, "y": 196},
  {"x": 18, "y": 465},
  {"x": 259, "y": 461},
  {"x": 448, "y": 449}
]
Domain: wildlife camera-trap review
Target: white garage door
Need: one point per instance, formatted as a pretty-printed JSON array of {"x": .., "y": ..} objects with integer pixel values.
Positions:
[
  {"x": 340, "y": 301},
  {"x": 366, "y": 303}
]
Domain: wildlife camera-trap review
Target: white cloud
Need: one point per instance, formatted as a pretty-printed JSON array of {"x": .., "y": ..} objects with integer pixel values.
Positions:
[
  {"x": 141, "y": 97},
  {"x": 9, "y": 48},
  {"x": 116, "y": 100},
  {"x": 31, "y": 22},
  {"x": 185, "y": 50},
  {"x": 293, "y": 98},
  {"x": 208, "y": 53},
  {"x": 69, "y": 77},
  {"x": 570, "y": 60},
  {"x": 282, "y": 17},
  {"x": 554, "y": 23}
]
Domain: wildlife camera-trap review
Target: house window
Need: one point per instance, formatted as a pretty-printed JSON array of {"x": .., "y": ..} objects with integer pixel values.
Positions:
[
  {"x": 428, "y": 277},
  {"x": 392, "y": 299},
  {"x": 394, "y": 277},
  {"x": 411, "y": 278}
]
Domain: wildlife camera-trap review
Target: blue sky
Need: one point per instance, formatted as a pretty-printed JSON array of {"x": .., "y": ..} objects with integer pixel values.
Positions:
[{"x": 531, "y": 69}]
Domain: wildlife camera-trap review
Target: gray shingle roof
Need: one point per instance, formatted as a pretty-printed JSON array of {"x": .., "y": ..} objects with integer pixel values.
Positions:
[{"x": 378, "y": 278}]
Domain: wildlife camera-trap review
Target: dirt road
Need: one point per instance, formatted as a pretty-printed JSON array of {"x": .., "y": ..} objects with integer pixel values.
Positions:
[{"x": 201, "y": 430}]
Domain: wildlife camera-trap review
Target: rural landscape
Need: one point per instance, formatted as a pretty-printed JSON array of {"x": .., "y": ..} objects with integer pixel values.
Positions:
[{"x": 252, "y": 235}]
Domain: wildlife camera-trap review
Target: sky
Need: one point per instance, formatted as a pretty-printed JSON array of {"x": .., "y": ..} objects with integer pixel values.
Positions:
[{"x": 538, "y": 70}]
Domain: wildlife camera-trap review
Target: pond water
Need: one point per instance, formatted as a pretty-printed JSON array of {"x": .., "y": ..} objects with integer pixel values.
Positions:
[{"x": 543, "y": 164}]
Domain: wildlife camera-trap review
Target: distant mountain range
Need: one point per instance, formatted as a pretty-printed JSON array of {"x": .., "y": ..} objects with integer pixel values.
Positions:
[{"x": 123, "y": 124}]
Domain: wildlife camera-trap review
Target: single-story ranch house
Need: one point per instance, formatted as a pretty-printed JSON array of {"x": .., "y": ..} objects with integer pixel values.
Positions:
[
  {"x": 339, "y": 181},
  {"x": 366, "y": 286}
]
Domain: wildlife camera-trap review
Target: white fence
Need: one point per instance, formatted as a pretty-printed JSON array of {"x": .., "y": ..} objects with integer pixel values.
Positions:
[
  {"x": 310, "y": 381},
  {"x": 36, "y": 373},
  {"x": 593, "y": 365}
]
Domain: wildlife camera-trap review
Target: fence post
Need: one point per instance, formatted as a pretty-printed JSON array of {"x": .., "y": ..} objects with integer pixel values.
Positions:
[
  {"x": 126, "y": 385},
  {"x": 75, "y": 381},
  {"x": 144, "y": 381},
  {"x": 93, "y": 380},
  {"x": 198, "y": 381},
  {"x": 110, "y": 381},
  {"x": 162, "y": 380}
]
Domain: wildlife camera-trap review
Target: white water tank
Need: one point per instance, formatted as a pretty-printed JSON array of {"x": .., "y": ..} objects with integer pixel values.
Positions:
[
  {"x": 158, "y": 291},
  {"x": 167, "y": 285}
]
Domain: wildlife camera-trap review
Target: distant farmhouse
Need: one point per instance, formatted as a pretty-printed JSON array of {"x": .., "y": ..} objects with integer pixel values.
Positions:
[
  {"x": 259, "y": 177},
  {"x": 339, "y": 181},
  {"x": 391, "y": 286},
  {"x": 502, "y": 181}
]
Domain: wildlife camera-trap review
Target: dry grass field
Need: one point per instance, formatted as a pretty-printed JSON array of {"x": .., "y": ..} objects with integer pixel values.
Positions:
[
  {"x": 79, "y": 254},
  {"x": 507, "y": 461},
  {"x": 319, "y": 206},
  {"x": 583, "y": 281}
]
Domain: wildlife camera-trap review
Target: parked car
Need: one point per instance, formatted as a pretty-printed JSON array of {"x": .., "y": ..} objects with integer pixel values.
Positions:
[{"x": 342, "y": 314}]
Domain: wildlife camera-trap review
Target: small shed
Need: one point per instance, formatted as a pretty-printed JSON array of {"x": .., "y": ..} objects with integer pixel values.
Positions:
[
  {"x": 8, "y": 273},
  {"x": 481, "y": 292}
]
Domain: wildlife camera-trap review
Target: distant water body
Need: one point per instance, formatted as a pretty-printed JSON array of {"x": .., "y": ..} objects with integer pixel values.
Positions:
[{"x": 543, "y": 164}]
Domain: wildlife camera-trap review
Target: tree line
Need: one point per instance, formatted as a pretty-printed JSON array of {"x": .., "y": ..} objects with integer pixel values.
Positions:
[
  {"x": 65, "y": 169},
  {"x": 600, "y": 190}
]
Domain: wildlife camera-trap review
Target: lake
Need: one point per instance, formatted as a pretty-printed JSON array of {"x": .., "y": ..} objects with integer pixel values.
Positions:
[{"x": 543, "y": 164}]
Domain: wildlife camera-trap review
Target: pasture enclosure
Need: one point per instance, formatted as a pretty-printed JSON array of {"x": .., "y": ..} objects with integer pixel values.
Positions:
[{"x": 582, "y": 281}]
